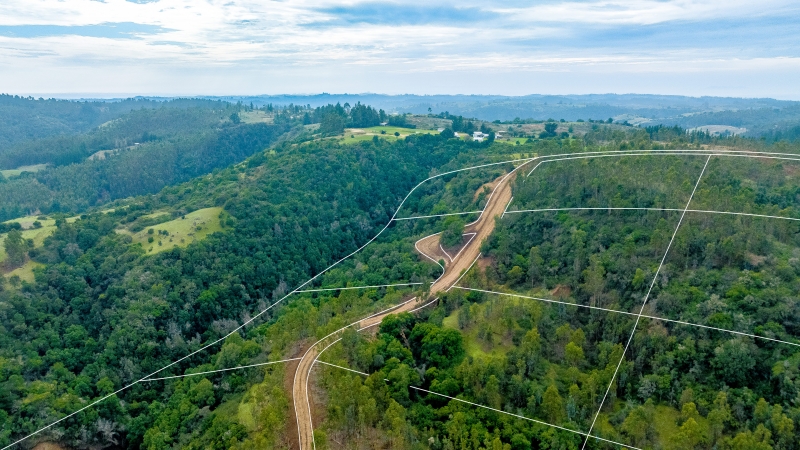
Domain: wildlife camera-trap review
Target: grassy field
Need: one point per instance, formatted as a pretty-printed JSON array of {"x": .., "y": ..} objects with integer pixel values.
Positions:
[
  {"x": 14, "y": 172},
  {"x": 475, "y": 346},
  {"x": 512, "y": 141},
  {"x": 38, "y": 235},
  {"x": 363, "y": 134},
  {"x": 256, "y": 117},
  {"x": 25, "y": 273},
  {"x": 182, "y": 231}
]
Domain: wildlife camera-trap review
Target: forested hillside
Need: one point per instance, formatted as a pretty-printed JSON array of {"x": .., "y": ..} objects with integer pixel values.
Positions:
[
  {"x": 26, "y": 118},
  {"x": 101, "y": 314},
  {"x": 679, "y": 386},
  {"x": 138, "y": 153},
  {"x": 105, "y": 311}
]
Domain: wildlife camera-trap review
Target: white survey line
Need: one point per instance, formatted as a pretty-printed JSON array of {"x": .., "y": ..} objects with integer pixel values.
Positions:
[
  {"x": 588, "y": 156},
  {"x": 507, "y": 205},
  {"x": 438, "y": 215},
  {"x": 343, "y": 368},
  {"x": 445, "y": 253},
  {"x": 465, "y": 272},
  {"x": 316, "y": 359},
  {"x": 591, "y": 209},
  {"x": 498, "y": 187},
  {"x": 681, "y": 322},
  {"x": 465, "y": 245},
  {"x": 489, "y": 408},
  {"x": 359, "y": 287},
  {"x": 427, "y": 256},
  {"x": 221, "y": 370},
  {"x": 741, "y": 214},
  {"x": 766, "y": 216},
  {"x": 741, "y": 153},
  {"x": 415, "y": 309},
  {"x": 308, "y": 405},
  {"x": 646, "y": 297},
  {"x": 763, "y": 155}
]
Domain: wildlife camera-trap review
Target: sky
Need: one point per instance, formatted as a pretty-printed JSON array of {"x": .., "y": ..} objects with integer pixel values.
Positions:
[{"x": 737, "y": 48}]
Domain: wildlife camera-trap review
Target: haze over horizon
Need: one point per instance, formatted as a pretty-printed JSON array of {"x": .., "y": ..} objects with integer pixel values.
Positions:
[{"x": 185, "y": 48}]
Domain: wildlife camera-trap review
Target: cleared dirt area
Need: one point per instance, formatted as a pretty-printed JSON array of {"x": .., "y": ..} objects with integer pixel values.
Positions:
[{"x": 48, "y": 446}]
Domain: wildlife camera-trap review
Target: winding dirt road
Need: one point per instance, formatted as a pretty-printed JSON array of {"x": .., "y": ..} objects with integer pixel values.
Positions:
[
  {"x": 429, "y": 247},
  {"x": 483, "y": 227},
  {"x": 300, "y": 394}
]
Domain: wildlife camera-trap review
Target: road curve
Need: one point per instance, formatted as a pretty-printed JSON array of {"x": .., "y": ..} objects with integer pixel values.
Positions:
[
  {"x": 300, "y": 395},
  {"x": 483, "y": 227}
]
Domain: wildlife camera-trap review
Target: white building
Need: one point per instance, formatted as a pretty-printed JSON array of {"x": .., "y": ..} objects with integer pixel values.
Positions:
[{"x": 478, "y": 136}]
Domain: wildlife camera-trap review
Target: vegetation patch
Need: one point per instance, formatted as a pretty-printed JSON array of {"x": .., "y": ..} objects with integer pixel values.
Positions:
[
  {"x": 179, "y": 232},
  {"x": 34, "y": 230},
  {"x": 23, "y": 273},
  {"x": 19, "y": 170},
  {"x": 352, "y": 135}
]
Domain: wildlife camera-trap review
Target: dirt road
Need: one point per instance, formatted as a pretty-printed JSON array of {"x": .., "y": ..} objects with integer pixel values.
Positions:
[
  {"x": 429, "y": 247},
  {"x": 300, "y": 394},
  {"x": 483, "y": 227}
]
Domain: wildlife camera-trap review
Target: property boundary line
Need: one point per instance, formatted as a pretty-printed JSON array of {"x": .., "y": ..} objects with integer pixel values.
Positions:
[
  {"x": 437, "y": 215},
  {"x": 221, "y": 370},
  {"x": 548, "y": 300},
  {"x": 707, "y": 211},
  {"x": 646, "y": 297},
  {"x": 742, "y": 153},
  {"x": 489, "y": 408},
  {"x": 359, "y": 287}
]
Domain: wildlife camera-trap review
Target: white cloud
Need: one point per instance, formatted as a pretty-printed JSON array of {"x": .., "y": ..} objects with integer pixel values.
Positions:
[{"x": 325, "y": 43}]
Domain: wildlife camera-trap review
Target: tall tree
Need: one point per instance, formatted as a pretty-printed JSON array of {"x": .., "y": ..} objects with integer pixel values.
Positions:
[{"x": 15, "y": 248}]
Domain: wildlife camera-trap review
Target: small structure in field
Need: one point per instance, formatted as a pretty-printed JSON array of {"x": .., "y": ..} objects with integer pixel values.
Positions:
[{"x": 478, "y": 136}]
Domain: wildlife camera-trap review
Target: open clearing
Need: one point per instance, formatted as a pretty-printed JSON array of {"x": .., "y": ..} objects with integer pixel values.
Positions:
[
  {"x": 181, "y": 231},
  {"x": 25, "y": 273},
  {"x": 256, "y": 117},
  {"x": 14, "y": 172},
  {"x": 364, "y": 134},
  {"x": 38, "y": 235}
]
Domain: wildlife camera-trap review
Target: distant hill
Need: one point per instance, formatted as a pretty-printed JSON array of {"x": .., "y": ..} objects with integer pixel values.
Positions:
[
  {"x": 772, "y": 118},
  {"x": 26, "y": 118}
]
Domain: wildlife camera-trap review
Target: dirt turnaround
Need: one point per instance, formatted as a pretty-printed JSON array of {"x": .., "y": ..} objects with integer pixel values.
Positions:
[{"x": 456, "y": 263}]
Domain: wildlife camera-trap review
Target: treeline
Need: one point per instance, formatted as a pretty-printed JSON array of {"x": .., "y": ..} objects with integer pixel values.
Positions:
[
  {"x": 138, "y": 126},
  {"x": 26, "y": 118},
  {"x": 144, "y": 169}
]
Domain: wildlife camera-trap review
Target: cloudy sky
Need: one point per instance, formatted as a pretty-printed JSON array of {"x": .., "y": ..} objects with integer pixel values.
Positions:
[{"x": 739, "y": 48}]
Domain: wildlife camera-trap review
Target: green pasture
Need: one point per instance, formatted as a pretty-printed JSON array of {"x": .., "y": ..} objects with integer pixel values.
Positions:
[
  {"x": 182, "y": 231},
  {"x": 352, "y": 135},
  {"x": 38, "y": 235},
  {"x": 25, "y": 273},
  {"x": 14, "y": 172},
  {"x": 255, "y": 117}
]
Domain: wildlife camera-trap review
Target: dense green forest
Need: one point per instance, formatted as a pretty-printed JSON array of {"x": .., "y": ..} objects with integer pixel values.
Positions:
[
  {"x": 25, "y": 118},
  {"x": 144, "y": 169},
  {"x": 101, "y": 313},
  {"x": 138, "y": 153},
  {"x": 679, "y": 386}
]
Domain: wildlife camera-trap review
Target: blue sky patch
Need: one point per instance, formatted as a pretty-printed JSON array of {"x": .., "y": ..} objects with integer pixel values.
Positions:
[
  {"x": 118, "y": 30},
  {"x": 390, "y": 13}
]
